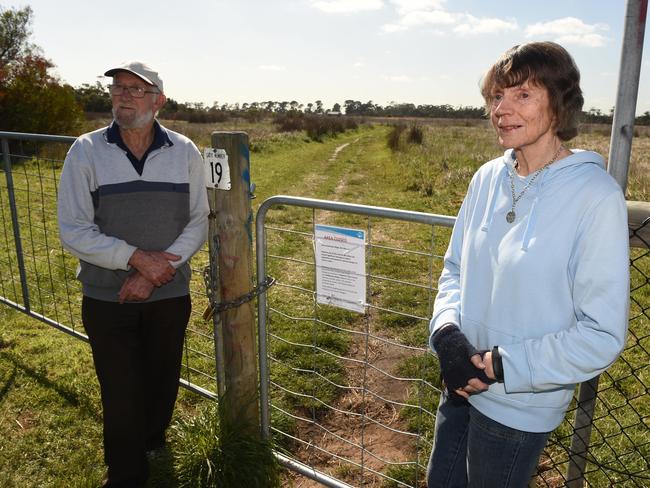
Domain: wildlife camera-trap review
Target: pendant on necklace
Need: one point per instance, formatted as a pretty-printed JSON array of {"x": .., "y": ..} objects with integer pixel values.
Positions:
[{"x": 510, "y": 217}]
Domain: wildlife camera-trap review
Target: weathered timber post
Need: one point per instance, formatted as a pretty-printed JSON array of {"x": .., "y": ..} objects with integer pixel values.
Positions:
[{"x": 230, "y": 237}]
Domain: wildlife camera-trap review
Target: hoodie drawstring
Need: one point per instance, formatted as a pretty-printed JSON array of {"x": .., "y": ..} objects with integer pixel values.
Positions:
[
  {"x": 532, "y": 215},
  {"x": 530, "y": 226},
  {"x": 492, "y": 198}
]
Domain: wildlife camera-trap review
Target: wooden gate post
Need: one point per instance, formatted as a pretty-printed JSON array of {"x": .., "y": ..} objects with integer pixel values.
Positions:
[{"x": 233, "y": 229}]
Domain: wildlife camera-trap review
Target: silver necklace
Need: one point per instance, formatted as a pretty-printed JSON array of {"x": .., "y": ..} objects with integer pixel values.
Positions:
[{"x": 510, "y": 216}]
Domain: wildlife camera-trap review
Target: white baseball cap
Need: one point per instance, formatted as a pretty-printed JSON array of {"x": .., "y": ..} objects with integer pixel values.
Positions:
[{"x": 139, "y": 69}]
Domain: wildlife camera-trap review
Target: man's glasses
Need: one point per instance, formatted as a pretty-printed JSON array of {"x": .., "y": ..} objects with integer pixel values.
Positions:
[{"x": 134, "y": 91}]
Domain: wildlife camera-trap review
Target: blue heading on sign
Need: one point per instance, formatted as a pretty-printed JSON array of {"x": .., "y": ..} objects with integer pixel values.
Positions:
[{"x": 358, "y": 234}]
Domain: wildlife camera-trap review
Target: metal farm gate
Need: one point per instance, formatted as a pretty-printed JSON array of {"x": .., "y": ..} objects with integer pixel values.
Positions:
[{"x": 352, "y": 396}]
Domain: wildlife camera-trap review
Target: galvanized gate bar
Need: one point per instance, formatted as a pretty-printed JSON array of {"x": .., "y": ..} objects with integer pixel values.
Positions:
[
  {"x": 260, "y": 246},
  {"x": 364, "y": 210},
  {"x": 25, "y": 136},
  {"x": 14, "y": 223},
  {"x": 305, "y": 470},
  {"x": 44, "y": 319}
]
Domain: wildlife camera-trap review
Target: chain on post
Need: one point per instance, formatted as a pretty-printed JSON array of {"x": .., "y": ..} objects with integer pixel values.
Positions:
[
  {"x": 209, "y": 291},
  {"x": 210, "y": 274},
  {"x": 236, "y": 302}
]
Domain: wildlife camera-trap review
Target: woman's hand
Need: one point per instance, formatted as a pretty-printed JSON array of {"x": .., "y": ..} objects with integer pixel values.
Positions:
[
  {"x": 487, "y": 361},
  {"x": 475, "y": 385},
  {"x": 461, "y": 365}
]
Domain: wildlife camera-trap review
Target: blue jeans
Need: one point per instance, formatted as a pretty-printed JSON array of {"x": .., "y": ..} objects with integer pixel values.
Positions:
[{"x": 471, "y": 450}]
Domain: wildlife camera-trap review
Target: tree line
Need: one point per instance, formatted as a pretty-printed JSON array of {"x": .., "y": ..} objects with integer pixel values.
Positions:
[
  {"x": 95, "y": 99},
  {"x": 33, "y": 99}
]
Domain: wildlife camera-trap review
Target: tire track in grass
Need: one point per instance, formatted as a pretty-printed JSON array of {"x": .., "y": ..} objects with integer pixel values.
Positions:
[
  {"x": 300, "y": 169},
  {"x": 344, "y": 420}
]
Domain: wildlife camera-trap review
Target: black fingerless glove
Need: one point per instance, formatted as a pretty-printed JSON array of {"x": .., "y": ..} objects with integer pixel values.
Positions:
[{"x": 454, "y": 352}]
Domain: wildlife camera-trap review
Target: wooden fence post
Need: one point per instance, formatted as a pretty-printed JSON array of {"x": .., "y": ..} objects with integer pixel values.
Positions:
[{"x": 232, "y": 233}]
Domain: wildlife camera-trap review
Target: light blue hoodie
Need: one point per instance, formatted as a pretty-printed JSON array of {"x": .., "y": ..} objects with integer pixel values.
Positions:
[{"x": 551, "y": 289}]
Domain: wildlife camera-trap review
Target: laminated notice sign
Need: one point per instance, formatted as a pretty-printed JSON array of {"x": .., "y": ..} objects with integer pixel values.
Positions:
[{"x": 341, "y": 267}]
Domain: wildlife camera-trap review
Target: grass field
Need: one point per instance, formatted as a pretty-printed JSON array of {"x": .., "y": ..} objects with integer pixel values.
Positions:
[{"x": 50, "y": 415}]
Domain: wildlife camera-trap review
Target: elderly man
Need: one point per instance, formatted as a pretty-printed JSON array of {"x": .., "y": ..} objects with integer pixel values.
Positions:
[{"x": 133, "y": 208}]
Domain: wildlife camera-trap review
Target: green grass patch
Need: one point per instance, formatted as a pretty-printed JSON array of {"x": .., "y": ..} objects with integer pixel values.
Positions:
[
  {"x": 213, "y": 453},
  {"x": 50, "y": 414}
]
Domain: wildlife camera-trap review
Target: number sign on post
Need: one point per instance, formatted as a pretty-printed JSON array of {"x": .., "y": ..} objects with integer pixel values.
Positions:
[{"x": 217, "y": 171}]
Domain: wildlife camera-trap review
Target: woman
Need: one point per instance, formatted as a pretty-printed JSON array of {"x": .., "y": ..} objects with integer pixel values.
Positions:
[{"x": 534, "y": 293}]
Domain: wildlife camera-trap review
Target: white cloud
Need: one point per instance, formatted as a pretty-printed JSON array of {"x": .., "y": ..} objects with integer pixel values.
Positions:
[
  {"x": 418, "y": 18},
  {"x": 569, "y": 30},
  {"x": 427, "y": 13},
  {"x": 433, "y": 17},
  {"x": 589, "y": 40},
  {"x": 406, "y": 6},
  {"x": 271, "y": 67},
  {"x": 358, "y": 64},
  {"x": 346, "y": 6},
  {"x": 474, "y": 25}
]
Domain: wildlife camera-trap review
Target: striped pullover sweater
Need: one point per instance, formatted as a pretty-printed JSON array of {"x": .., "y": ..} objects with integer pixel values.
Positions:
[{"x": 107, "y": 209}]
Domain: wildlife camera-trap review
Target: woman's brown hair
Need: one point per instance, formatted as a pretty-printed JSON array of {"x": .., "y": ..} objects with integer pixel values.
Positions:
[{"x": 544, "y": 64}]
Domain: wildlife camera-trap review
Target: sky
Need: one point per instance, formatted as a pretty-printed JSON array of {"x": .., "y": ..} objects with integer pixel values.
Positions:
[{"x": 417, "y": 51}]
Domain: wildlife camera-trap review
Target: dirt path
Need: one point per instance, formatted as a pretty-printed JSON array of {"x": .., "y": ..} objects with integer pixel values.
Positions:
[
  {"x": 321, "y": 174},
  {"x": 361, "y": 418},
  {"x": 367, "y": 415},
  {"x": 339, "y": 149}
]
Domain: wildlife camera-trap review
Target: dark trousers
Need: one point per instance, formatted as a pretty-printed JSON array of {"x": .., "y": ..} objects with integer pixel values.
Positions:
[
  {"x": 137, "y": 349},
  {"x": 471, "y": 450}
]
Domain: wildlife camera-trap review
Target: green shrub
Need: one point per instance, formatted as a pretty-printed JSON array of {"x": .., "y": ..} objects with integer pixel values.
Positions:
[
  {"x": 316, "y": 126},
  {"x": 289, "y": 122},
  {"x": 415, "y": 134},
  {"x": 394, "y": 137}
]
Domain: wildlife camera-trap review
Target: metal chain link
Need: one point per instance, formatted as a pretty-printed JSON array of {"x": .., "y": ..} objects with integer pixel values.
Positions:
[
  {"x": 209, "y": 291},
  {"x": 268, "y": 282}
]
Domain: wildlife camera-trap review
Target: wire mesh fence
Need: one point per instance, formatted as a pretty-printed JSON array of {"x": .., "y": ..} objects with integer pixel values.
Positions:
[
  {"x": 37, "y": 276},
  {"x": 354, "y": 396},
  {"x": 350, "y": 395}
]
